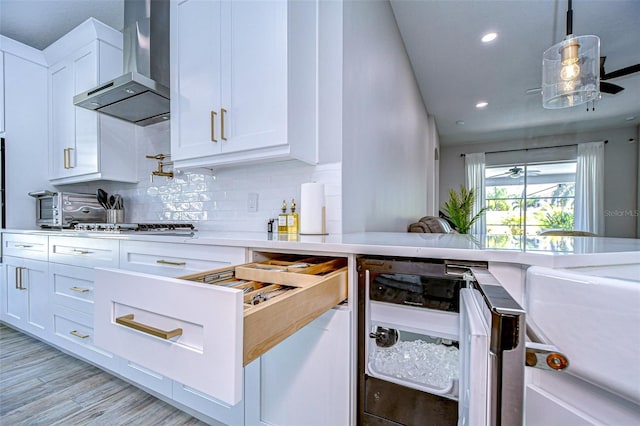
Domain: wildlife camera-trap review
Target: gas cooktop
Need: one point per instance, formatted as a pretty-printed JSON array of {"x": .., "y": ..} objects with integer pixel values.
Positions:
[{"x": 147, "y": 228}]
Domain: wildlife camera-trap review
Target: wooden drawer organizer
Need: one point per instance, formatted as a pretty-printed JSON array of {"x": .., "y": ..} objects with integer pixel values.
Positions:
[{"x": 281, "y": 295}]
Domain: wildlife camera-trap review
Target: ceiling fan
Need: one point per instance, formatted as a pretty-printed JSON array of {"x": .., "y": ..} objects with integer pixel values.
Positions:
[
  {"x": 516, "y": 172},
  {"x": 606, "y": 87}
]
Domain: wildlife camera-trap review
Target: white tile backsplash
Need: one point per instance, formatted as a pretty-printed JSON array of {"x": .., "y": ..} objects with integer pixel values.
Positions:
[{"x": 217, "y": 200}]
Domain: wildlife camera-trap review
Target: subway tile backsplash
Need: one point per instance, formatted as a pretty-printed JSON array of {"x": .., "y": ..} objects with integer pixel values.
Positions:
[{"x": 217, "y": 200}]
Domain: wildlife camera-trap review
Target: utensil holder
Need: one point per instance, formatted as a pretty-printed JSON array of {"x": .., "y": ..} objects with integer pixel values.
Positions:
[{"x": 115, "y": 215}]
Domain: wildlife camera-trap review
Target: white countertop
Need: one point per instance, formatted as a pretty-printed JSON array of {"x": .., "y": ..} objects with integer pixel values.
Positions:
[{"x": 555, "y": 252}]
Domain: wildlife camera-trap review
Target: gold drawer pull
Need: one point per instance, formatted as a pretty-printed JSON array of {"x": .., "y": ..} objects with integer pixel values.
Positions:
[
  {"x": 127, "y": 321},
  {"x": 169, "y": 262},
  {"x": 81, "y": 336},
  {"x": 78, "y": 251},
  {"x": 79, "y": 290}
]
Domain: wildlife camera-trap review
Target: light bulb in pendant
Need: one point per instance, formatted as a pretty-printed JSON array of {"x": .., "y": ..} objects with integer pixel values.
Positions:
[{"x": 570, "y": 72}]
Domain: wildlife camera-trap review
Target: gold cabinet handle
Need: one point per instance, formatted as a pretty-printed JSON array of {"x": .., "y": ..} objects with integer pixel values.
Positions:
[
  {"x": 77, "y": 334},
  {"x": 64, "y": 158},
  {"x": 222, "y": 114},
  {"x": 169, "y": 262},
  {"x": 213, "y": 126},
  {"x": 78, "y": 251},
  {"x": 18, "y": 277},
  {"x": 127, "y": 321},
  {"x": 69, "y": 155},
  {"x": 79, "y": 290}
]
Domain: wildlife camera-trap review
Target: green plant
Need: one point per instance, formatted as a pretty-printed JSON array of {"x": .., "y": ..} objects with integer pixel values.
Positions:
[{"x": 459, "y": 209}]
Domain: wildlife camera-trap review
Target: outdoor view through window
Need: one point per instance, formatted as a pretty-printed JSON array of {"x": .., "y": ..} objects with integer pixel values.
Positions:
[{"x": 526, "y": 199}]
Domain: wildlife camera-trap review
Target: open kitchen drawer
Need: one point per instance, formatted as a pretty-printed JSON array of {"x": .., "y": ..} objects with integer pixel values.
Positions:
[{"x": 201, "y": 329}]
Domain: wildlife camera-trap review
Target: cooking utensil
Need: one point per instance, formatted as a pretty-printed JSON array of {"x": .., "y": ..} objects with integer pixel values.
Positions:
[
  {"x": 102, "y": 198},
  {"x": 112, "y": 202}
]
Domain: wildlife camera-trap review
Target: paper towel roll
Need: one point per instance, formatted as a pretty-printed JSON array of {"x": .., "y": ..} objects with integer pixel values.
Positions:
[{"x": 312, "y": 209}]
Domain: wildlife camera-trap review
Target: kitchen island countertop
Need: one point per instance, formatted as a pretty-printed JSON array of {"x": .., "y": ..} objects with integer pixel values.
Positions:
[{"x": 554, "y": 252}]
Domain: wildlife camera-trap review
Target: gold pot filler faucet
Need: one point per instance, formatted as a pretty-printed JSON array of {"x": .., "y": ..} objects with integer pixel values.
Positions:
[{"x": 160, "y": 171}]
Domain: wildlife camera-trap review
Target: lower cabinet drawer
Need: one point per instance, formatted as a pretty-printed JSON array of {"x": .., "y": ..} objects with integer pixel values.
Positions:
[
  {"x": 72, "y": 286},
  {"x": 232, "y": 415},
  {"x": 173, "y": 260},
  {"x": 74, "y": 331},
  {"x": 201, "y": 329},
  {"x": 145, "y": 377}
]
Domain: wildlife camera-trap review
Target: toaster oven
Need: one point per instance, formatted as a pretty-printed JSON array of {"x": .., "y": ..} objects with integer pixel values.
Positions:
[{"x": 65, "y": 209}]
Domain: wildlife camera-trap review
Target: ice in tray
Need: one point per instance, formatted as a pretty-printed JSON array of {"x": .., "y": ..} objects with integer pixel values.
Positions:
[{"x": 418, "y": 362}]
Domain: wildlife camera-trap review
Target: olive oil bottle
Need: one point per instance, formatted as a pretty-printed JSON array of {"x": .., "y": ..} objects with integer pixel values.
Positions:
[
  {"x": 292, "y": 219},
  {"x": 282, "y": 219}
]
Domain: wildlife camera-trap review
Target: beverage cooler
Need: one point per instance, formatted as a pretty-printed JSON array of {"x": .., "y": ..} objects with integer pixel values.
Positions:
[{"x": 439, "y": 342}]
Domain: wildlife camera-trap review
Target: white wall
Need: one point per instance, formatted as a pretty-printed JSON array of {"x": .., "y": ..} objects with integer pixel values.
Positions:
[
  {"x": 385, "y": 124},
  {"x": 621, "y": 171},
  {"x": 26, "y": 128}
]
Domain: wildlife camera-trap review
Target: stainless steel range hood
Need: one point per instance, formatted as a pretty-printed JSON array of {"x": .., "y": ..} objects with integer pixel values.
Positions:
[{"x": 141, "y": 95}]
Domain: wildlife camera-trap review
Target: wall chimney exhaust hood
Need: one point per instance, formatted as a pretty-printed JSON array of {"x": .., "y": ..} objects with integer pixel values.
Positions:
[{"x": 141, "y": 95}]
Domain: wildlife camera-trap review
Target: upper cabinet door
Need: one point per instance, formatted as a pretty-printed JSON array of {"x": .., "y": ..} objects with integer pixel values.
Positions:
[
  {"x": 85, "y": 76},
  {"x": 196, "y": 79},
  {"x": 85, "y": 145},
  {"x": 240, "y": 88},
  {"x": 62, "y": 132},
  {"x": 254, "y": 75}
]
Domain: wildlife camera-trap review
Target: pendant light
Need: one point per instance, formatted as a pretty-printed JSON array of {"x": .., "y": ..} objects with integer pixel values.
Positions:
[{"x": 571, "y": 70}]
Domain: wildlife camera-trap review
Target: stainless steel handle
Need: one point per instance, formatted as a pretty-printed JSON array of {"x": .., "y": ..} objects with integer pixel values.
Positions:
[
  {"x": 64, "y": 158},
  {"x": 169, "y": 262},
  {"x": 79, "y": 289},
  {"x": 127, "y": 321},
  {"x": 222, "y": 114},
  {"x": 23, "y": 246},
  {"x": 78, "y": 251},
  {"x": 213, "y": 126}
]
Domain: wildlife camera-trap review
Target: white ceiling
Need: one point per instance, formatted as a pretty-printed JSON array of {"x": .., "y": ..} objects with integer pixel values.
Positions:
[{"x": 453, "y": 68}]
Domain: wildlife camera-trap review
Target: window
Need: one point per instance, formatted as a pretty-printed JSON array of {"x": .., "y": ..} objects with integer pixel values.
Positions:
[{"x": 526, "y": 199}]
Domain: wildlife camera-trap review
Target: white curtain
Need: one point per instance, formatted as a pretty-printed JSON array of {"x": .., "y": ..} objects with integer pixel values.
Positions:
[
  {"x": 474, "y": 178},
  {"x": 589, "y": 201}
]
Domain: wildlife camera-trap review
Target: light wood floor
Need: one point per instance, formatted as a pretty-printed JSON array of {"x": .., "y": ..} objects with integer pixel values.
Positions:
[{"x": 39, "y": 385}]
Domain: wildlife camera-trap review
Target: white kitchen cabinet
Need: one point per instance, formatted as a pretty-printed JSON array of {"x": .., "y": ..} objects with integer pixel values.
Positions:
[
  {"x": 74, "y": 331},
  {"x": 84, "y": 145},
  {"x": 172, "y": 260},
  {"x": 26, "y": 301},
  {"x": 87, "y": 252},
  {"x": 242, "y": 81},
  {"x": 71, "y": 286},
  {"x": 226, "y": 414},
  {"x": 201, "y": 335},
  {"x": 25, "y": 295},
  {"x": 306, "y": 379}
]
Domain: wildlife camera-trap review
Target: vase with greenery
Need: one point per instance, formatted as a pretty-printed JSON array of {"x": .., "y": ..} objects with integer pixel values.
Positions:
[{"x": 459, "y": 209}]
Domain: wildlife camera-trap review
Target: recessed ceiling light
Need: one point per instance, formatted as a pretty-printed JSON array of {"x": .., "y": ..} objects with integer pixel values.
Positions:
[
  {"x": 489, "y": 37},
  {"x": 482, "y": 104},
  {"x": 460, "y": 123},
  {"x": 630, "y": 118}
]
